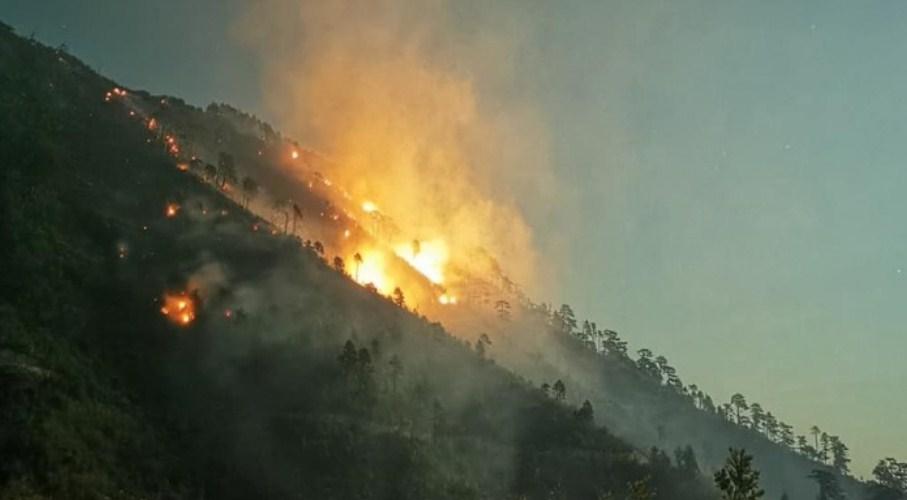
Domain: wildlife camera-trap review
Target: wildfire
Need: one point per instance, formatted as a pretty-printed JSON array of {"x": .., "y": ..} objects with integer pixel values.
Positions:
[
  {"x": 427, "y": 257},
  {"x": 179, "y": 308},
  {"x": 171, "y": 210},
  {"x": 369, "y": 207},
  {"x": 294, "y": 155},
  {"x": 370, "y": 270},
  {"x": 446, "y": 299}
]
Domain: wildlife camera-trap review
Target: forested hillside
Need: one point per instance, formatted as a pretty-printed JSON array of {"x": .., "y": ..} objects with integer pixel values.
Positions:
[
  {"x": 276, "y": 378},
  {"x": 179, "y": 320}
]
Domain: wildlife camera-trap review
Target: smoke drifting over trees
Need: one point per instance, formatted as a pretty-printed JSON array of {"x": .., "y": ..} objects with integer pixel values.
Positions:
[{"x": 434, "y": 134}]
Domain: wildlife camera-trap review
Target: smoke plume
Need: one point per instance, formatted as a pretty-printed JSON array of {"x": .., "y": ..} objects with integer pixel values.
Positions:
[{"x": 419, "y": 109}]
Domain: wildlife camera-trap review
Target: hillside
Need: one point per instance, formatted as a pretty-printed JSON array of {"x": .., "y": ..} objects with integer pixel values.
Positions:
[
  {"x": 270, "y": 374},
  {"x": 642, "y": 400}
]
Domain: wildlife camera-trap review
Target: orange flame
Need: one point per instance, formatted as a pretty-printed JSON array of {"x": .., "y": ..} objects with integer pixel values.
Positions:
[{"x": 179, "y": 308}]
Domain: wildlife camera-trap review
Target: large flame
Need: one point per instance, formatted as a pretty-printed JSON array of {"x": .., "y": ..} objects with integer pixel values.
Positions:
[
  {"x": 371, "y": 270},
  {"x": 429, "y": 131},
  {"x": 427, "y": 257}
]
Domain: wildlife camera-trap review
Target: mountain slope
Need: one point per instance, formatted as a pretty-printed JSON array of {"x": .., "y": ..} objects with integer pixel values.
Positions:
[{"x": 277, "y": 377}]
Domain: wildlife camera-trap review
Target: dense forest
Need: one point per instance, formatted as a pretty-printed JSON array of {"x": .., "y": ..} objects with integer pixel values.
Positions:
[{"x": 287, "y": 380}]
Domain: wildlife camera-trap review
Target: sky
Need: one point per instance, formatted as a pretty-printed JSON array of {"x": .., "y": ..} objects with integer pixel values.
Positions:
[{"x": 731, "y": 179}]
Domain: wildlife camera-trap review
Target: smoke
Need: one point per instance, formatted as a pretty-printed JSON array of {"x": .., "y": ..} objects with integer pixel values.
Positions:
[{"x": 419, "y": 107}]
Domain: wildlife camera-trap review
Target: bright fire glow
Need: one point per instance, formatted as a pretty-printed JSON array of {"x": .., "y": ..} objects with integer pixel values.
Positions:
[
  {"x": 172, "y": 209},
  {"x": 371, "y": 271},
  {"x": 369, "y": 207},
  {"x": 294, "y": 154},
  {"x": 179, "y": 308},
  {"x": 429, "y": 259},
  {"x": 447, "y": 299}
]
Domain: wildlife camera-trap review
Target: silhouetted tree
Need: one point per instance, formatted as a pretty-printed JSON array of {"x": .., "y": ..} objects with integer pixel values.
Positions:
[
  {"x": 398, "y": 297},
  {"x": 348, "y": 358},
  {"x": 786, "y": 434},
  {"x": 566, "y": 320},
  {"x": 249, "y": 190},
  {"x": 757, "y": 415},
  {"x": 358, "y": 259},
  {"x": 226, "y": 169},
  {"x": 481, "y": 345},
  {"x": 560, "y": 390},
  {"x": 840, "y": 456},
  {"x": 739, "y": 406},
  {"x": 646, "y": 365},
  {"x": 738, "y": 480},
  {"x": 891, "y": 474},
  {"x": 613, "y": 344},
  {"x": 339, "y": 265},
  {"x": 585, "y": 413},
  {"x": 685, "y": 458},
  {"x": 829, "y": 489},
  {"x": 816, "y": 432}
]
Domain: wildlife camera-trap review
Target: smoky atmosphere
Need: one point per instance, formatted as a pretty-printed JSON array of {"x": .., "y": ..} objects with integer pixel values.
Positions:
[{"x": 441, "y": 249}]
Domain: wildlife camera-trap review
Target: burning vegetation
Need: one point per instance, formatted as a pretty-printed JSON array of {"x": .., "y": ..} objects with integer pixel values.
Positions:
[
  {"x": 179, "y": 308},
  {"x": 347, "y": 231}
]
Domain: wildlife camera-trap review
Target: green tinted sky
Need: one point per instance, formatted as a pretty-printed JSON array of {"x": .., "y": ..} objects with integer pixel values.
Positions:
[{"x": 733, "y": 173}]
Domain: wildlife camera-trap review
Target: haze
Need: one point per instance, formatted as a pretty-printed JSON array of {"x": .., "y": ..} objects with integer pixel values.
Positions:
[{"x": 727, "y": 178}]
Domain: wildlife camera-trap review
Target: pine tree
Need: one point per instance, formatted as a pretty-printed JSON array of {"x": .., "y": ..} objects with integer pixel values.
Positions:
[{"x": 737, "y": 479}]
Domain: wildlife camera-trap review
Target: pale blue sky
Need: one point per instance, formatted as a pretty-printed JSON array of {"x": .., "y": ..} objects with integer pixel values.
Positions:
[{"x": 733, "y": 174}]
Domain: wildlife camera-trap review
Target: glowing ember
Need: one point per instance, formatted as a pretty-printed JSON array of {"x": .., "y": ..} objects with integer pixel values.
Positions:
[
  {"x": 294, "y": 154},
  {"x": 369, "y": 207},
  {"x": 182, "y": 167},
  {"x": 346, "y": 233},
  {"x": 429, "y": 260},
  {"x": 152, "y": 124},
  {"x": 179, "y": 308},
  {"x": 172, "y": 209}
]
